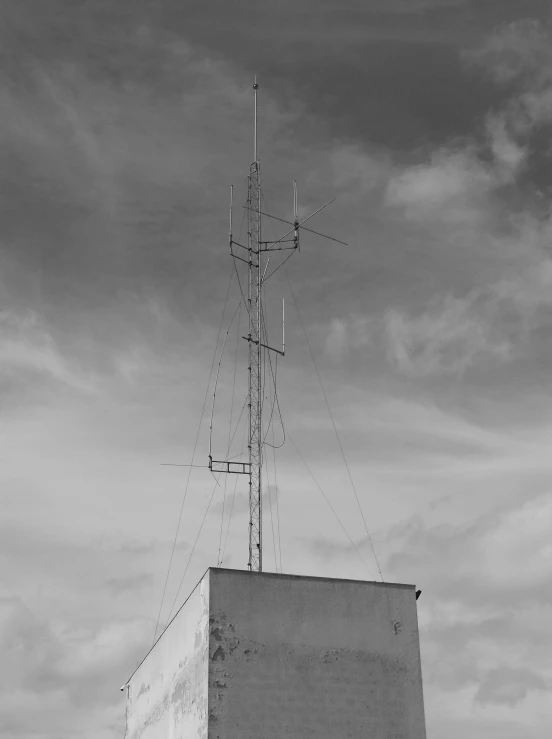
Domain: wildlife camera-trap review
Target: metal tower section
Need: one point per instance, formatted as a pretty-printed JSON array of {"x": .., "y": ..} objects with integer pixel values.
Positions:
[{"x": 254, "y": 338}]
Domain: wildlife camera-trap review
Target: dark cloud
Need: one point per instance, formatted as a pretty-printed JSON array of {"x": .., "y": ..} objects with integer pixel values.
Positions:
[
  {"x": 345, "y": 67},
  {"x": 517, "y": 57},
  {"x": 387, "y": 73},
  {"x": 103, "y": 202}
]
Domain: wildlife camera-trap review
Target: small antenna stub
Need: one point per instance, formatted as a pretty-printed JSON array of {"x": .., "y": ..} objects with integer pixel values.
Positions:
[
  {"x": 231, "y": 204},
  {"x": 283, "y": 329}
]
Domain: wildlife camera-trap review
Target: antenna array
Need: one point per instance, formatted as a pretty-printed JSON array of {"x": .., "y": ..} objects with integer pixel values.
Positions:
[{"x": 256, "y": 254}]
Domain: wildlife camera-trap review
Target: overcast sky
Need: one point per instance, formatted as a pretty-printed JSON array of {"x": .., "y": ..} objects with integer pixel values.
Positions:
[{"x": 122, "y": 126}]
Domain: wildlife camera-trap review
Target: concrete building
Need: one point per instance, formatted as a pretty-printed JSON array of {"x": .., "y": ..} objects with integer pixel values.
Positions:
[{"x": 267, "y": 656}]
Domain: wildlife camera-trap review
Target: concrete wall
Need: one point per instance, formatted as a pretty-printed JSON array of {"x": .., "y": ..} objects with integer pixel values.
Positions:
[
  {"x": 312, "y": 657},
  {"x": 167, "y": 695},
  {"x": 263, "y": 656}
]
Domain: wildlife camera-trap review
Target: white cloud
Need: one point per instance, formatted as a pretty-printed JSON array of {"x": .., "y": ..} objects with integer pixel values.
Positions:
[
  {"x": 519, "y": 55},
  {"x": 484, "y": 586},
  {"x": 509, "y": 156},
  {"x": 518, "y": 552},
  {"x": 486, "y": 327},
  {"x": 500, "y": 551},
  {"x": 49, "y": 679},
  {"x": 508, "y": 686},
  {"x": 449, "y": 188},
  {"x": 355, "y": 169},
  {"x": 448, "y": 338},
  {"x": 514, "y": 50},
  {"x": 26, "y": 345},
  {"x": 345, "y": 334}
]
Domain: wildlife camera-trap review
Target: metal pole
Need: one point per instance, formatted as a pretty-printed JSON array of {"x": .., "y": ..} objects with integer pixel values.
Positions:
[{"x": 255, "y": 88}]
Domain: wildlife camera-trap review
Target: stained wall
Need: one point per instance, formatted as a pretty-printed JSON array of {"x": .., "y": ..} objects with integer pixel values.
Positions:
[
  {"x": 266, "y": 656},
  {"x": 296, "y": 657},
  {"x": 167, "y": 697}
]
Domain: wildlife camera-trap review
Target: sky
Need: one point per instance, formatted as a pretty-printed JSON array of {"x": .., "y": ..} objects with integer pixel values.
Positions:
[{"x": 122, "y": 127}]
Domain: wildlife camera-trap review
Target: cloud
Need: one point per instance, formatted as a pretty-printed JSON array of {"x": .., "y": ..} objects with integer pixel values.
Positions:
[
  {"x": 484, "y": 585},
  {"x": 484, "y": 328},
  {"x": 509, "y": 687},
  {"x": 355, "y": 169},
  {"x": 456, "y": 186},
  {"x": 118, "y": 585},
  {"x": 487, "y": 327},
  {"x": 517, "y": 51},
  {"x": 509, "y": 155},
  {"x": 137, "y": 549},
  {"x": 63, "y": 659},
  {"x": 118, "y": 147},
  {"x": 346, "y": 334},
  {"x": 29, "y": 348},
  {"x": 477, "y": 193},
  {"x": 448, "y": 338},
  {"x": 517, "y": 55},
  {"x": 449, "y": 188},
  {"x": 48, "y": 679},
  {"x": 503, "y": 550}
]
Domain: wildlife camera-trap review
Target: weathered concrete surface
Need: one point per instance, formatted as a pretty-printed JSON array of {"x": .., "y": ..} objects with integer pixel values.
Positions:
[
  {"x": 264, "y": 656},
  {"x": 312, "y": 657},
  {"x": 167, "y": 697}
]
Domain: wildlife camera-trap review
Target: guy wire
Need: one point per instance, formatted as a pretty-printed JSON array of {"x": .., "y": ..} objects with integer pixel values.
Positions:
[
  {"x": 271, "y": 517},
  {"x": 193, "y": 456},
  {"x": 328, "y": 502},
  {"x": 194, "y": 546},
  {"x": 229, "y": 432},
  {"x": 217, "y": 377},
  {"x": 333, "y": 424},
  {"x": 205, "y": 516},
  {"x": 277, "y": 492},
  {"x": 232, "y": 504}
]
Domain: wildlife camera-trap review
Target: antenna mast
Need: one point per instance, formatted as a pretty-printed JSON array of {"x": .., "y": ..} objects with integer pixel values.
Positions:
[{"x": 257, "y": 266}]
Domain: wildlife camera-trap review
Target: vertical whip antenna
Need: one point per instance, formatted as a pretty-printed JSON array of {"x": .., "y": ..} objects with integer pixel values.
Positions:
[
  {"x": 231, "y": 203},
  {"x": 255, "y": 88}
]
